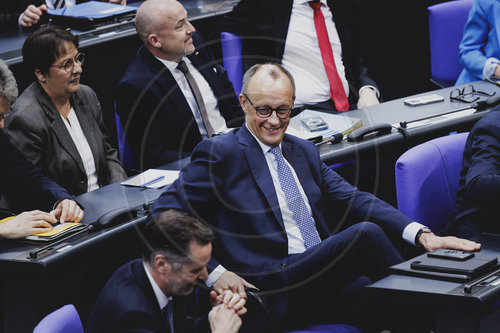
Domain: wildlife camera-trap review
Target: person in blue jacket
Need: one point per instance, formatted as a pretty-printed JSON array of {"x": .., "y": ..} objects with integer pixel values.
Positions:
[{"x": 480, "y": 48}]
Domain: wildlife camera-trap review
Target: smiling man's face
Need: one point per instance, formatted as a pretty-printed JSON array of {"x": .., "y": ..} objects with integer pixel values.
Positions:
[{"x": 268, "y": 91}]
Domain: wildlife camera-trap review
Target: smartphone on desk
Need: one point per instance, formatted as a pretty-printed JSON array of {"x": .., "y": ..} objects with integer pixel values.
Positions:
[{"x": 423, "y": 100}]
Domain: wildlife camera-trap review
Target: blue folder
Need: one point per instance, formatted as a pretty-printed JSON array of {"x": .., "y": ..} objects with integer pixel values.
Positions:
[{"x": 92, "y": 14}]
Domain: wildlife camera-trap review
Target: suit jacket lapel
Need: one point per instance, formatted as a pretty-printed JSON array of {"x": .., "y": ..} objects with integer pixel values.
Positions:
[
  {"x": 169, "y": 87},
  {"x": 260, "y": 172},
  {"x": 59, "y": 128},
  {"x": 147, "y": 289}
]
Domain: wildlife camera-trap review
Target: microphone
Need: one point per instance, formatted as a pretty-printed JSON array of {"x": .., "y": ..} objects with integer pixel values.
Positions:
[{"x": 336, "y": 138}]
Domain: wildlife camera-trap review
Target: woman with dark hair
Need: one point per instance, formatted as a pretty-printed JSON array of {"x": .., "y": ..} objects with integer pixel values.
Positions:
[{"x": 57, "y": 122}]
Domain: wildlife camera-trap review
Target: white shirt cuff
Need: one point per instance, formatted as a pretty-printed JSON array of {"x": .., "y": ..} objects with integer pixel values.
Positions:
[
  {"x": 489, "y": 68},
  {"x": 369, "y": 86},
  {"x": 216, "y": 273},
  {"x": 410, "y": 232}
]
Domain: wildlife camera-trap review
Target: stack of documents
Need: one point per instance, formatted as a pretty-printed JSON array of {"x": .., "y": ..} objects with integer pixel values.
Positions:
[{"x": 57, "y": 232}]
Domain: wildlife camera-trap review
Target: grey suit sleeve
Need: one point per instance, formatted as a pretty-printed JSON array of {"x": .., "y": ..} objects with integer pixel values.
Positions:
[{"x": 27, "y": 137}]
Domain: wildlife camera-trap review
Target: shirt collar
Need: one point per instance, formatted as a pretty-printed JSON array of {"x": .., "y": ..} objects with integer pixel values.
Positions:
[
  {"x": 172, "y": 65},
  {"x": 265, "y": 148},
  {"x": 306, "y": 1},
  {"x": 160, "y": 296}
]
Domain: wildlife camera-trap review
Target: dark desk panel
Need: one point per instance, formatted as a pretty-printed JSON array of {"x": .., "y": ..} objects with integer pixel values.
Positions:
[
  {"x": 455, "y": 310},
  {"x": 369, "y": 164},
  {"x": 395, "y": 111}
]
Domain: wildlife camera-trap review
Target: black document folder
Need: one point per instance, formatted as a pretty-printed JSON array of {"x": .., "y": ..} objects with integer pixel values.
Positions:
[
  {"x": 447, "y": 269},
  {"x": 90, "y": 15}
]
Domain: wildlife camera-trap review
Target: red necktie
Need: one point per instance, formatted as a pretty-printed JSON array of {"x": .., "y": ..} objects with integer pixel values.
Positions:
[{"x": 337, "y": 92}]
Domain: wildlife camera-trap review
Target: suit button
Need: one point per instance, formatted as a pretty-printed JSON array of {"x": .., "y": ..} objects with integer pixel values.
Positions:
[{"x": 283, "y": 266}]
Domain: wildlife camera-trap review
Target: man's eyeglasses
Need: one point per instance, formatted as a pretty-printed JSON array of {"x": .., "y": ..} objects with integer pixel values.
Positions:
[
  {"x": 70, "y": 63},
  {"x": 465, "y": 95},
  {"x": 267, "y": 111}
]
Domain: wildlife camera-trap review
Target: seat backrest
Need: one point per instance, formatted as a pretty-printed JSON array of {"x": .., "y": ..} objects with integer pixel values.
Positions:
[
  {"x": 427, "y": 180},
  {"x": 62, "y": 320},
  {"x": 126, "y": 154},
  {"x": 231, "y": 58},
  {"x": 446, "y": 27}
]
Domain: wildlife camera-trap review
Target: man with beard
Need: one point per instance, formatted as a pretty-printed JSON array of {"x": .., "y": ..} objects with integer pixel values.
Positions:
[
  {"x": 151, "y": 294},
  {"x": 173, "y": 94}
]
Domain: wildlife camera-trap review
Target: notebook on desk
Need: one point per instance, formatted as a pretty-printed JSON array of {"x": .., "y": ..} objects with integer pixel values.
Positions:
[{"x": 90, "y": 15}]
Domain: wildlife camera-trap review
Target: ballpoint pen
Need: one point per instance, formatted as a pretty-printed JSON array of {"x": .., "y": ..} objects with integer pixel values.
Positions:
[{"x": 151, "y": 182}]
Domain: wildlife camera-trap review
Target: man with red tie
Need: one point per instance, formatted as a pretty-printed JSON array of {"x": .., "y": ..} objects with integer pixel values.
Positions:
[{"x": 315, "y": 40}]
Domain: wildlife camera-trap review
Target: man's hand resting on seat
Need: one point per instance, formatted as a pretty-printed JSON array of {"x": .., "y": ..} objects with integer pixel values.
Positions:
[{"x": 432, "y": 242}]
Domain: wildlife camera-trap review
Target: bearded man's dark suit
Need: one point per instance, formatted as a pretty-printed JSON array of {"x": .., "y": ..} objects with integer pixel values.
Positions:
[
  {"x": 127, "y": 303},
  {"x": 156, "y": 117},
  {"x": 229, "y": 186},
  {"x": 264, "y": 26}
]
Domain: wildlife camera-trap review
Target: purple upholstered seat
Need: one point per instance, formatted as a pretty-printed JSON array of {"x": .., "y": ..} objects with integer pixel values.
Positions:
[
  {"x": 446, "y": 27},
  {"x": 231, "y": 57},
  {"x": 427, "y": 178},
  {"x": 62, "y": 320}
]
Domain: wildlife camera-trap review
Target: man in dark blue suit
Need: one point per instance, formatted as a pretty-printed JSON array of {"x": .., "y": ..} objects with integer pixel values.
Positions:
[
  {"x": 163, "y": 115},
  {"x": 478, "y": 196},
  {"x": 151, "y": 295},
  {"x": 283, "y": 220}
]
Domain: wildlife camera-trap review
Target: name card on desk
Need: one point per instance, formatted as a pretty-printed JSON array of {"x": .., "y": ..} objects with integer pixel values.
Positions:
[{"x": 153, "y": 178}]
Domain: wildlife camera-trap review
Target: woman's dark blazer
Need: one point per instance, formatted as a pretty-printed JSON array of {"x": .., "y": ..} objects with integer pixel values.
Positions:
[{"x": 37, "y": 129}]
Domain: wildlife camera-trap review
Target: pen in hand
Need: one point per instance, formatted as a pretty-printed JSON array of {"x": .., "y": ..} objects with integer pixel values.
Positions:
[{"x": 151, "y": 182}]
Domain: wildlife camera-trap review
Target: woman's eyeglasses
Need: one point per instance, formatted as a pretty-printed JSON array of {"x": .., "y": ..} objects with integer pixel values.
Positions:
[
  {"x": 69, "y": 64},
  {"x": 466, "y": 94}
]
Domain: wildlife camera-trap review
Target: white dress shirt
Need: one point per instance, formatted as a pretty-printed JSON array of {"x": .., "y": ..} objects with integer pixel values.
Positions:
[
  {"x": 302, "y": 56},
  {"x": 82, "y": 145},
  {"x": 160, "y": 296},
  {"x": 214, "y": 116}
]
